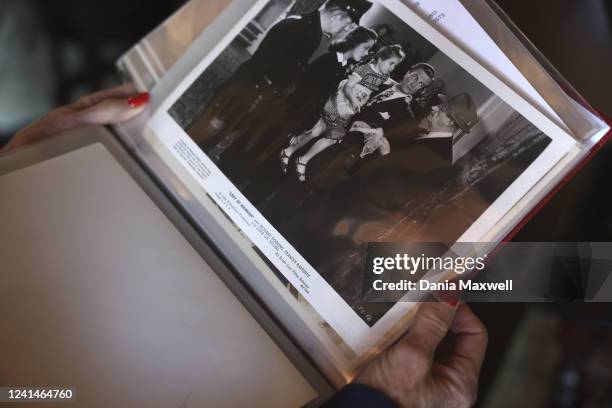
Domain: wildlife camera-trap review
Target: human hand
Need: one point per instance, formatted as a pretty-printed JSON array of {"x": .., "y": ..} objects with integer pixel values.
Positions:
[
  {"x": 116, "y": 105},
  {"x": 436, "y": 364}
]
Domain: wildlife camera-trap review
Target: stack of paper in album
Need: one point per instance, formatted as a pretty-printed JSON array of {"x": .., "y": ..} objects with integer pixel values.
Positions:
[{"x": 469, "y": 131}]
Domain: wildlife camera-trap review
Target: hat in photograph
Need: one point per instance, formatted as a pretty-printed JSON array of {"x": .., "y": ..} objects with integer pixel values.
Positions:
[
  {"x": 355, "y": 8},
  {"x": 462, "y": 110}
]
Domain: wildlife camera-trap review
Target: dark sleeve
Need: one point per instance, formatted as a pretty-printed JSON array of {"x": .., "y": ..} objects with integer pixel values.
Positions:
[
  {"x": 359, "y": 396},
  {"x": 399, "y": 112},
  {"x": 370, "y": 115},
  {"x": 281, "y": 49},
  {"x": 320, "y": 77},
  {"x": 403, "y": 135}
]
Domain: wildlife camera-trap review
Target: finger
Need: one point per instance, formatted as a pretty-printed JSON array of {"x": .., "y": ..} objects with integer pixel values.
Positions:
[
  {"x": 430, "y": 326},
  {"x": 110, "y": 111},
  {"x": 118, "y": 92},
  {"x": 470, "y": 342}
]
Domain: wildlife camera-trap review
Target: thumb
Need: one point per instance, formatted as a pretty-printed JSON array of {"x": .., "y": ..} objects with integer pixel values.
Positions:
[
  {"x": 110, "y": 111},
  {"x": 430, "y": 326}
]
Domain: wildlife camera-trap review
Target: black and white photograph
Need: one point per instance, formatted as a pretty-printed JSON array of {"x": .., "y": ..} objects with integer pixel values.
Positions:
[{"x": 342, "y": 125}]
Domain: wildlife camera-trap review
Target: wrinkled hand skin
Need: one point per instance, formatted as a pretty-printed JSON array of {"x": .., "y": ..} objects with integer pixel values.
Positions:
[
  {"x": 105, "y": 107},
  {"x": 436, "y": 364}
]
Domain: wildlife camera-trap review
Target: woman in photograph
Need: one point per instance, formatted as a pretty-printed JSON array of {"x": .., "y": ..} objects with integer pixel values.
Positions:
[
  {"x": 302, "y": 108},
  {"x": 254, "y": 159},
  {"x": 352, "y": 95},
  {"x": 272, "y": 69}
]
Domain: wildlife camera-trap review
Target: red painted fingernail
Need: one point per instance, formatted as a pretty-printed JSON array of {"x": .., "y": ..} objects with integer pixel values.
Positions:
[
  {"x": 139, "y": 100},
  {"x": 451, "y": 303}
]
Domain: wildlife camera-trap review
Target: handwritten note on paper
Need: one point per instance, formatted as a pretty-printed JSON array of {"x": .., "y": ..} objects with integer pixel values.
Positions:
[{"x": 434, "y": 15}]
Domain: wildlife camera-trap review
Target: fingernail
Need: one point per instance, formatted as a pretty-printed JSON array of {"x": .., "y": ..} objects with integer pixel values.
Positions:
[
  {"x": 451, "y": 303},
  {"x": 139, "y": 100}
]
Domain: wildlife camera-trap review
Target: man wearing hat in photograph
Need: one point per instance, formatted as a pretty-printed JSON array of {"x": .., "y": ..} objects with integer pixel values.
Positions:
[
  {"x": 443, "y": 123},
  {"x": 456, "y": 113},
  {"x": 422, "y": 147},
  {"x": 446, "y": 122},
  {"x": 288, "y": 46},
  {"x": 275, "y": 66}
]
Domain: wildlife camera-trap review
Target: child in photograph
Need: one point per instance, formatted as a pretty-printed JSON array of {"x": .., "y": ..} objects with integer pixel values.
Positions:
[
  {"x": 297, "y": 112},
  {"x": 352, "y": 94}
]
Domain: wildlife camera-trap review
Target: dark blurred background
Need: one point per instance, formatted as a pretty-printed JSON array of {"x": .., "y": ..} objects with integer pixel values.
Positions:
[
  {"x": 51, "y": 52},
  {"x": 560, "y": 355}
]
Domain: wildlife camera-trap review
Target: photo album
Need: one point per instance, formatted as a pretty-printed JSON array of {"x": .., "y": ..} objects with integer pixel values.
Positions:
[{"x": 297, "y": 132}]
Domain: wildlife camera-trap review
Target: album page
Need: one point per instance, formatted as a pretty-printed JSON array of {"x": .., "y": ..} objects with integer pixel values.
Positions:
[{"x": 315, "y": 136}]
